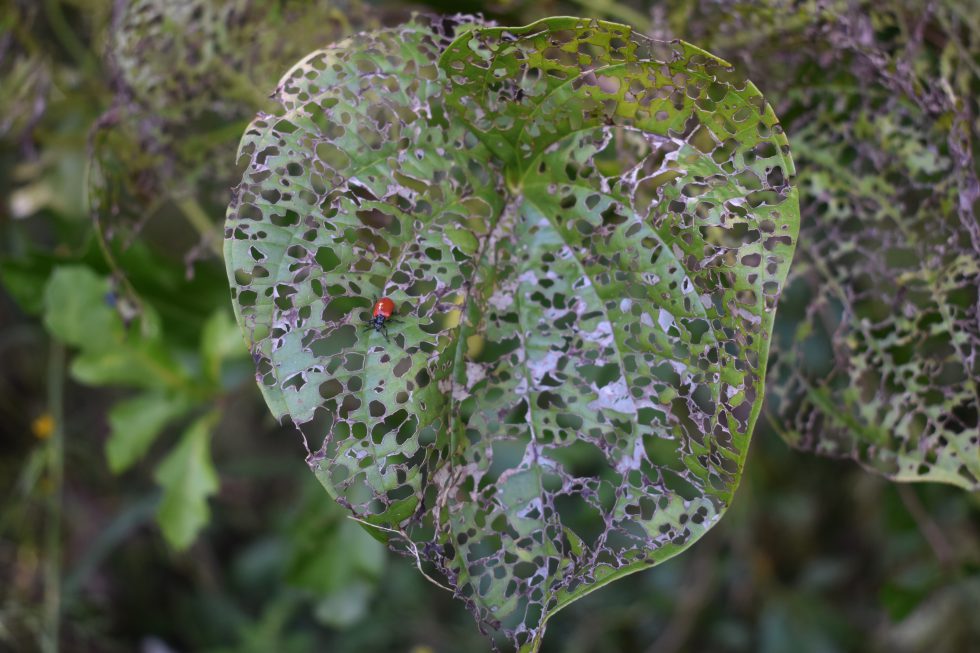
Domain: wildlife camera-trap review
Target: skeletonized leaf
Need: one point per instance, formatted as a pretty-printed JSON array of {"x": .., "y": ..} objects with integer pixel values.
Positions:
[
  {"x": 585, "y": 233},
  {"x": 877, "y": 355}
]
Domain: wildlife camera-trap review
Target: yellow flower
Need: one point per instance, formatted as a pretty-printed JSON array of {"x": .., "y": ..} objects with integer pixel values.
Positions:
[{"x": 43, "y": 426}]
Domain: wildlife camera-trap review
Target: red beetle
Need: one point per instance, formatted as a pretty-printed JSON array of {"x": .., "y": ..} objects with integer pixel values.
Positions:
[{"x": 381, "y": 316}]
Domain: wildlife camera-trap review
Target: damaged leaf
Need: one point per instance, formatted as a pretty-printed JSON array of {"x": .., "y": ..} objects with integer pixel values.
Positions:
[
  {"x": 188, "y": 75},
  {"x": 877, "y": 352},
  {"x": 585, "y": 233}
]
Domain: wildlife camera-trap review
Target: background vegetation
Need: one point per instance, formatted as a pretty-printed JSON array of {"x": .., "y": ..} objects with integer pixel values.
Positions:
[{"x": 151, "y": 502}]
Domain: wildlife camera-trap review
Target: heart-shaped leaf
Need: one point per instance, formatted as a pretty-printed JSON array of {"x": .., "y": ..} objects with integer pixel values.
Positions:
[
  {"x": 878, "y": 357},
  {"x": 584, "y": 232}
]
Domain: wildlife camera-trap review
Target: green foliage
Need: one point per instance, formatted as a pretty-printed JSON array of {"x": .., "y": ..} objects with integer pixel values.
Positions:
[
  {"x": 135, "y": 423},
  {"x": 878, "y": 348},
  {"x": 82, "y": 310},
  {"x": 585, "y": 234},
  {"x": 334, "y": 558},
  {"x": 891, "y": 271},
  {"x": 188, "y": 478},
  {"x": 872, "y": 354},
  {"x": 77, "y": 312},
  {"x": 165, "y": 139}
]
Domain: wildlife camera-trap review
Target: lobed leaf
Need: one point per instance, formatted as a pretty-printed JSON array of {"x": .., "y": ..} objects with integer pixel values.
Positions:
[
  {"x": 135, "y": 423},
  {"x": 188, "y": 479},
  {"x": 585, "y": 233}
]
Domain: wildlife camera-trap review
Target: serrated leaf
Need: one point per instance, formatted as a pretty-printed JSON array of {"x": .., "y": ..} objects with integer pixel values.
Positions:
[
  {"x": 135, "y": 423},
  {"x": 593, "y": 366},
  {"x": 188, "y": 479}
]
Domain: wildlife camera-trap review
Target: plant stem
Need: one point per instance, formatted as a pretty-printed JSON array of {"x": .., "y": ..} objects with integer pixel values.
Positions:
[
  {"x": 56, "y": 475},
  {"x": 930, "y": 530},
  {"x": 198, "y": 218},
  {"x": 615, "y": 11},
  {"x": 68, "y": 39}
]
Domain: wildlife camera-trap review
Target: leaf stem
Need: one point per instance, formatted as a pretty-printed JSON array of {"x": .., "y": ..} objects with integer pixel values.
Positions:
[
  {"x": 931, "y": 531},
  {"x": 614, "y": 10},
  {"x": 198, "y": 218},
  {"x": 68, "y": 39},
  {"x": 411, "y": 545},
  {"x": 56, "y": 474}
]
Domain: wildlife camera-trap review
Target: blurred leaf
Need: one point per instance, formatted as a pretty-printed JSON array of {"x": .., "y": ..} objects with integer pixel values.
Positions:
[
  {"x": 176, "y": 116},
  {"x": 328, "y": 557},
  {"x": 135, "y": 423},
  {"x": 25, "y": 279},
  {"x": 137, "y": 365},
  {"x": 945, "y": 623},
  {"x": 77, "y": 310},
  {"x": 188, "y": 478},
  {"x": 878, "y": 352},
  {"x": 612, "y": 217},
  {"x": 346, "y": 605},
  {"x": 220, "y": 339},
  {"x": 328, "y": 551}
]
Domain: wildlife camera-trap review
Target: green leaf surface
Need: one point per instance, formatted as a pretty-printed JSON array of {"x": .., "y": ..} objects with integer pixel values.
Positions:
[
  {"x": 584, "y": 232},
  {"x": 135, "y": 423},
  {"x": 77, "y": 310},
  {"x": 220, "y": 340},
  {"x": 25, "y": 279},
  {"x": 188, "y": 479},
  {"x": 877, "y": 356}
]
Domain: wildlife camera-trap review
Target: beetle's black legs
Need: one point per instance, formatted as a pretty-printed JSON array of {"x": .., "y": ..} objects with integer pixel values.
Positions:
[{"x": 380, "y": 325}]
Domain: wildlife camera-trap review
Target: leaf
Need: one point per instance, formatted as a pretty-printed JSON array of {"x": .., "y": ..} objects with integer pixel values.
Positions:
[
  {"x": 135, "y": 423},
  {"x": 220, "y": 340},
  {"x": 25, "y": 280},
  {"x": 345, "y": 606},
  {"x": 331, "y": 554},
  {"x": 584, "y": 232},
  {"x": 885, "y": 362},
  {"x": 188, "y": 478},
  {"x": 140, "y": 365},
  {"x": 77, "y": 310},
  {"x": 162, "y": 144},
  {"x": 333, "y": 558}
]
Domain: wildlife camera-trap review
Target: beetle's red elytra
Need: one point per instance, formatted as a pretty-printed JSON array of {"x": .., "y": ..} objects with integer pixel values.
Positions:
[
  {"x": 384, "y": 307},
  {"x": 381, "y": 314}
]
